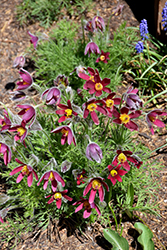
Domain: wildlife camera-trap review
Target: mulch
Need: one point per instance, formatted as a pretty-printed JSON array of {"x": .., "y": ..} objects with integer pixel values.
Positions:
[{"x": 13, "y": 42}]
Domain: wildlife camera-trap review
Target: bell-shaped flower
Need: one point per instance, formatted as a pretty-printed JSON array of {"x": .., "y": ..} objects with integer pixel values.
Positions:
[
  {"x": 125, "y": 118},
  {"x": 18, "y": 96},
  {"x": 57, "y": 196},
  {"x": 66, "y": 111},
  {"x": 19, "y": 62},
  {"x": 118, "y": 10},
  {"x": 103, "y": 57},
  {"x": 5, "y": 122},
  {"x": 132, "y": 100},
  {"x": 151, "y": 118},
  {"x": 51, "y": 96},
  {"x": 94, "y": 152},
  {"x": 28, "y": 113},
  {"x": 90, "y": 107},
  {"x": 92, "y": 47},
  {"x": 54, "y": 177},
  {"x": 65, "y": 166},
  {"x": 84, "y": 203},
  {"x": 122, "y": 159},
  {"x": 61, "y": 80},
  {"x": 67, "y": 134},
  {"x": 26, "y": 81},
  {"x": 97, "y": 86},
  {"x": 34, "y": 39},
  {"x": 110, "y": 102},
  {"x": 98, "y": 23},
  {"x": 21, "y": 131},
  {"x": 26, "y": 170},
  {"x": 79, "y": 69},
  {"x": 6, "y": 151},
  {"x": 115, "y": 173},
  {"x": 96, "y": 184},
  {"x": 89, "y": 26}
]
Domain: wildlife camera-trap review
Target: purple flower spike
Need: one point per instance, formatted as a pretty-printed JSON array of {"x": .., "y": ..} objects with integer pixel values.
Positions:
[
  {"x": 139, "y": 47},
  {"x": 151, "y": 118},
  {"x": 27, "y": 80},
  {"x": 143, "y": 29},
  {"x": 94, "y": 152},
  {"x": 92, "y": 48},
  {"x": 52, "y": 96},
  {"x": 34, "y": 39},
  {"x": 6, "y": 151}
]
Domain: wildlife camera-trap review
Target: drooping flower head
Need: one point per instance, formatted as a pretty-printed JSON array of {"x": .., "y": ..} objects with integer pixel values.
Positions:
[
  {"x": 96, "y": 184},
  {"x": 65, "y": 110},
  {"x": 98, "y": 23},
  {"x": 26, "y": 81},
  {"x": 84, "y": 203},
  {"x": 151, "y": 118},
  {"x": 67, "y": 134},
  {"x": 103, "y": 57},
  {"x": 61, "y": 80},
  {"x": 92, "y": 47},
  {"x": 94, "y": 152},
  {"x": 28, "y": 113},
  {"x": 122, "y": 159},
  {"x": 6, "y": 151},
  {"x": 89, "y": 26},
  {"x": 26, "y": 170},
  {"x": 139, "y": 47},
  {"x": 132, "y": 100},
  {"x": 52, "y": 96},
  {"x": 115, "y": 173},
  {"x": 57, "y": 196},
  {"x": 109, "y": 103},
  {"x": 164, "y": 17},
  {"x": 118, "y": 10},
  {"x": 143, "y": 29},
  {"x": 5, "y": 122},
  {"x": 19, "y": 62},
  {"x": 18, "y": 96},
  {"x": 125, "y": 118},
  {"x": 34, "y": 39}
]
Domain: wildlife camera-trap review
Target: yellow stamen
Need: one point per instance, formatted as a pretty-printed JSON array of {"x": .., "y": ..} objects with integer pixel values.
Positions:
[
  {"x": 151, "y": 118},
  {"x": 124, "y": 118},
  {"x": 96, "y": 184},
  {"x": 92, "y": 78},
  {"x": 98, "y": 86},
  {"x": 81, "y": 176},
  {"x": 102, "y": 58},
  {"x": 64, "y": 132},
  {"x": 122, "y": 158},
  {"x": 0, "y": 145},
  {"x": 109, "y": 103},
  {"x": 57, "y": 196},
  {"x": 68, "y": 112},
  {"x": 113, "y": 172},
  {"x": 27, "y": 109},
  {"x": 91, "y": 107},
  {"x": 3, "y": 123},
  {"x": 21, "y": 131},
  {"x": 25, "y": 170},
  {"x": 24, "y": 83},
  {"x": 51, "y": 176}
]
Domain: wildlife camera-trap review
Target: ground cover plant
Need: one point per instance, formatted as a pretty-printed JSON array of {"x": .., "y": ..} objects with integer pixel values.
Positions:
[{"x": 76, "y": 150}]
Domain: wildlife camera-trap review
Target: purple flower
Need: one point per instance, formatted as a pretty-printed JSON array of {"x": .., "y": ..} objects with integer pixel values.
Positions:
[
  {"x": 58, "y": 197},
  {"x": 123, "y": 157},
  {"x": 89, "y": 26},
  {"x": 34, "y": 39},
  {"x": 164, "y": 17},
  {"x": 66, "y": 111},
  {"x": 28, "y": 113},
  {"x": 143, "y": 29},
  {"x": 103, "y": 57},
  {"x": 132, "y": 100},
  {"x": 115, "y": 173},
  {"x": 109, "y": 103},
  {"x": 139, "y": 47},
  {"x": 19, "y": 62},
  {"x": 5, "y": 122},
  {"x": 18, "y": 96},
  {"x": 151, "y": 118},
  {"x": 21, "y": 131},
  {"x": 53, "y": 176},
  {"x": 6, "y": 151},
  {"x": 52, "y": 96},
  {"x": 118, "y": 10},
  {"x": 67, "y": 134},
  {"x": 98, "y": 23},
  {"x": 61, "y": 80},
  {"x": 94, "y": 152},
  {"x": 26, "y": 170},
  {"x": 27, "y": 80},
  {"x": 84, "y": 203},
  {"x": 95, "y": 184},
  {"x": 92, "y": 48}
]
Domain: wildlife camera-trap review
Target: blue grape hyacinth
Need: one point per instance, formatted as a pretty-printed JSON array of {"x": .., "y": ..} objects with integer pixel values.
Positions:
[
  {"x": 164, "y": 17},
  {"x": 143, "y": 29},
  {"x": 139, "y": 47}
]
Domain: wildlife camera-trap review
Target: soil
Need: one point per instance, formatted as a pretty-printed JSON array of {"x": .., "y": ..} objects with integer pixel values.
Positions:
[{"x": 13, "y": 42}]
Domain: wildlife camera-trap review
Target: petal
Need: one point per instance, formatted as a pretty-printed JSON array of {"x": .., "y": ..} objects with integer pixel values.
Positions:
[
  {"x": 30, "y": 179},
  {"x": 45, "y": 184},
  {"x": 19, "y": 178},
  {"x": 159, "y": 123},
  {"x": 131, "y": 125},
  {"x": 16, "y": 170},
  {"x": 101, "y": 194},
  {"x": 88, "y": 187},
  {"x": 94, "y": 117},
  {"x": 86, "y": 214},
  {"x": 92, "y": 195},
  {"x": 58, "y": 203},
  {"x": 79, "y": 207}
]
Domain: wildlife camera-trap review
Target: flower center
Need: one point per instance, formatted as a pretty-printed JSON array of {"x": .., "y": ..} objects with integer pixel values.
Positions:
[
  {"x": 64, "y": 132},
  {"x": 109, "y": 103},
  {"x": 51, "y": 176},
  {"x": 113, "y": 172},
  {"x": 86, "y": 205},
  {"x": 98, "y": 86},
  {"x": 91, "y": 107},
  {"x": 24, "y": 83},
  {"x": 27, "y": 109},
  {"x": 68, "y": 112},
  {"x": 3, "y": 123},
  {"x": 151, "y": 118},
  {"x": 122, "y": 158},
  {"x": 21, "y": 131},
  {"x": 124, "y": 118},
  {"x": 57, "y": 196},
  {"x": 96, "y": 184},
  {"x": 25, "y": 170},
  {"x": 102, "y": 58},
  {"x": 81, "y": 176},
  {"x": 91, "y": 78}
]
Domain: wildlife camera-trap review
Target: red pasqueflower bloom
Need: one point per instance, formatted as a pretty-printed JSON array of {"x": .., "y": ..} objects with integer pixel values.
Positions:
[
  {"x": 98, "y": 23},
  {"x": 92, "y": 73},
  {"x": 66, "y": 111},
  {"x": 58, "y": 197},
  {"x": 92, "y": 47},
  {"x": 53, "y": 176},
  {"x": 6, "y": 151},
  {"x": 84, "y": 203},
  {"x": 90, "y": 106},
  {"x": 103, "y": 57},
  {"x": 95, "y": 184},
  {"x": 115, "y": 173},
  {"x": 28, "y": 113},
  {"x": 26, "y": 170},
  {"x": 5, "y": 122},
  {"x": 123, "y": 157},
  {"x": 51, "y": 96},
  {"x": 34, "y": 39},
  {"x": 67, "y": 134},
  {"x": 151, "y": 118},
  {"x": 109, "y": 103},
  {"x": 124, "y": 118},
  {"x": 21, "y": 131},
  {"x": 97, "y": 85},
  {"x": 26, "y": 81},
  {"x": 81, "y": 176}
]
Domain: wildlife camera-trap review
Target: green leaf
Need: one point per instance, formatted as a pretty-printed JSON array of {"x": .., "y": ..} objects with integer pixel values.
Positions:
[
  {"x": 130, "y": 195},
  {"x": 145, "y": 238},
  {"x": 118, "y": 242}
]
